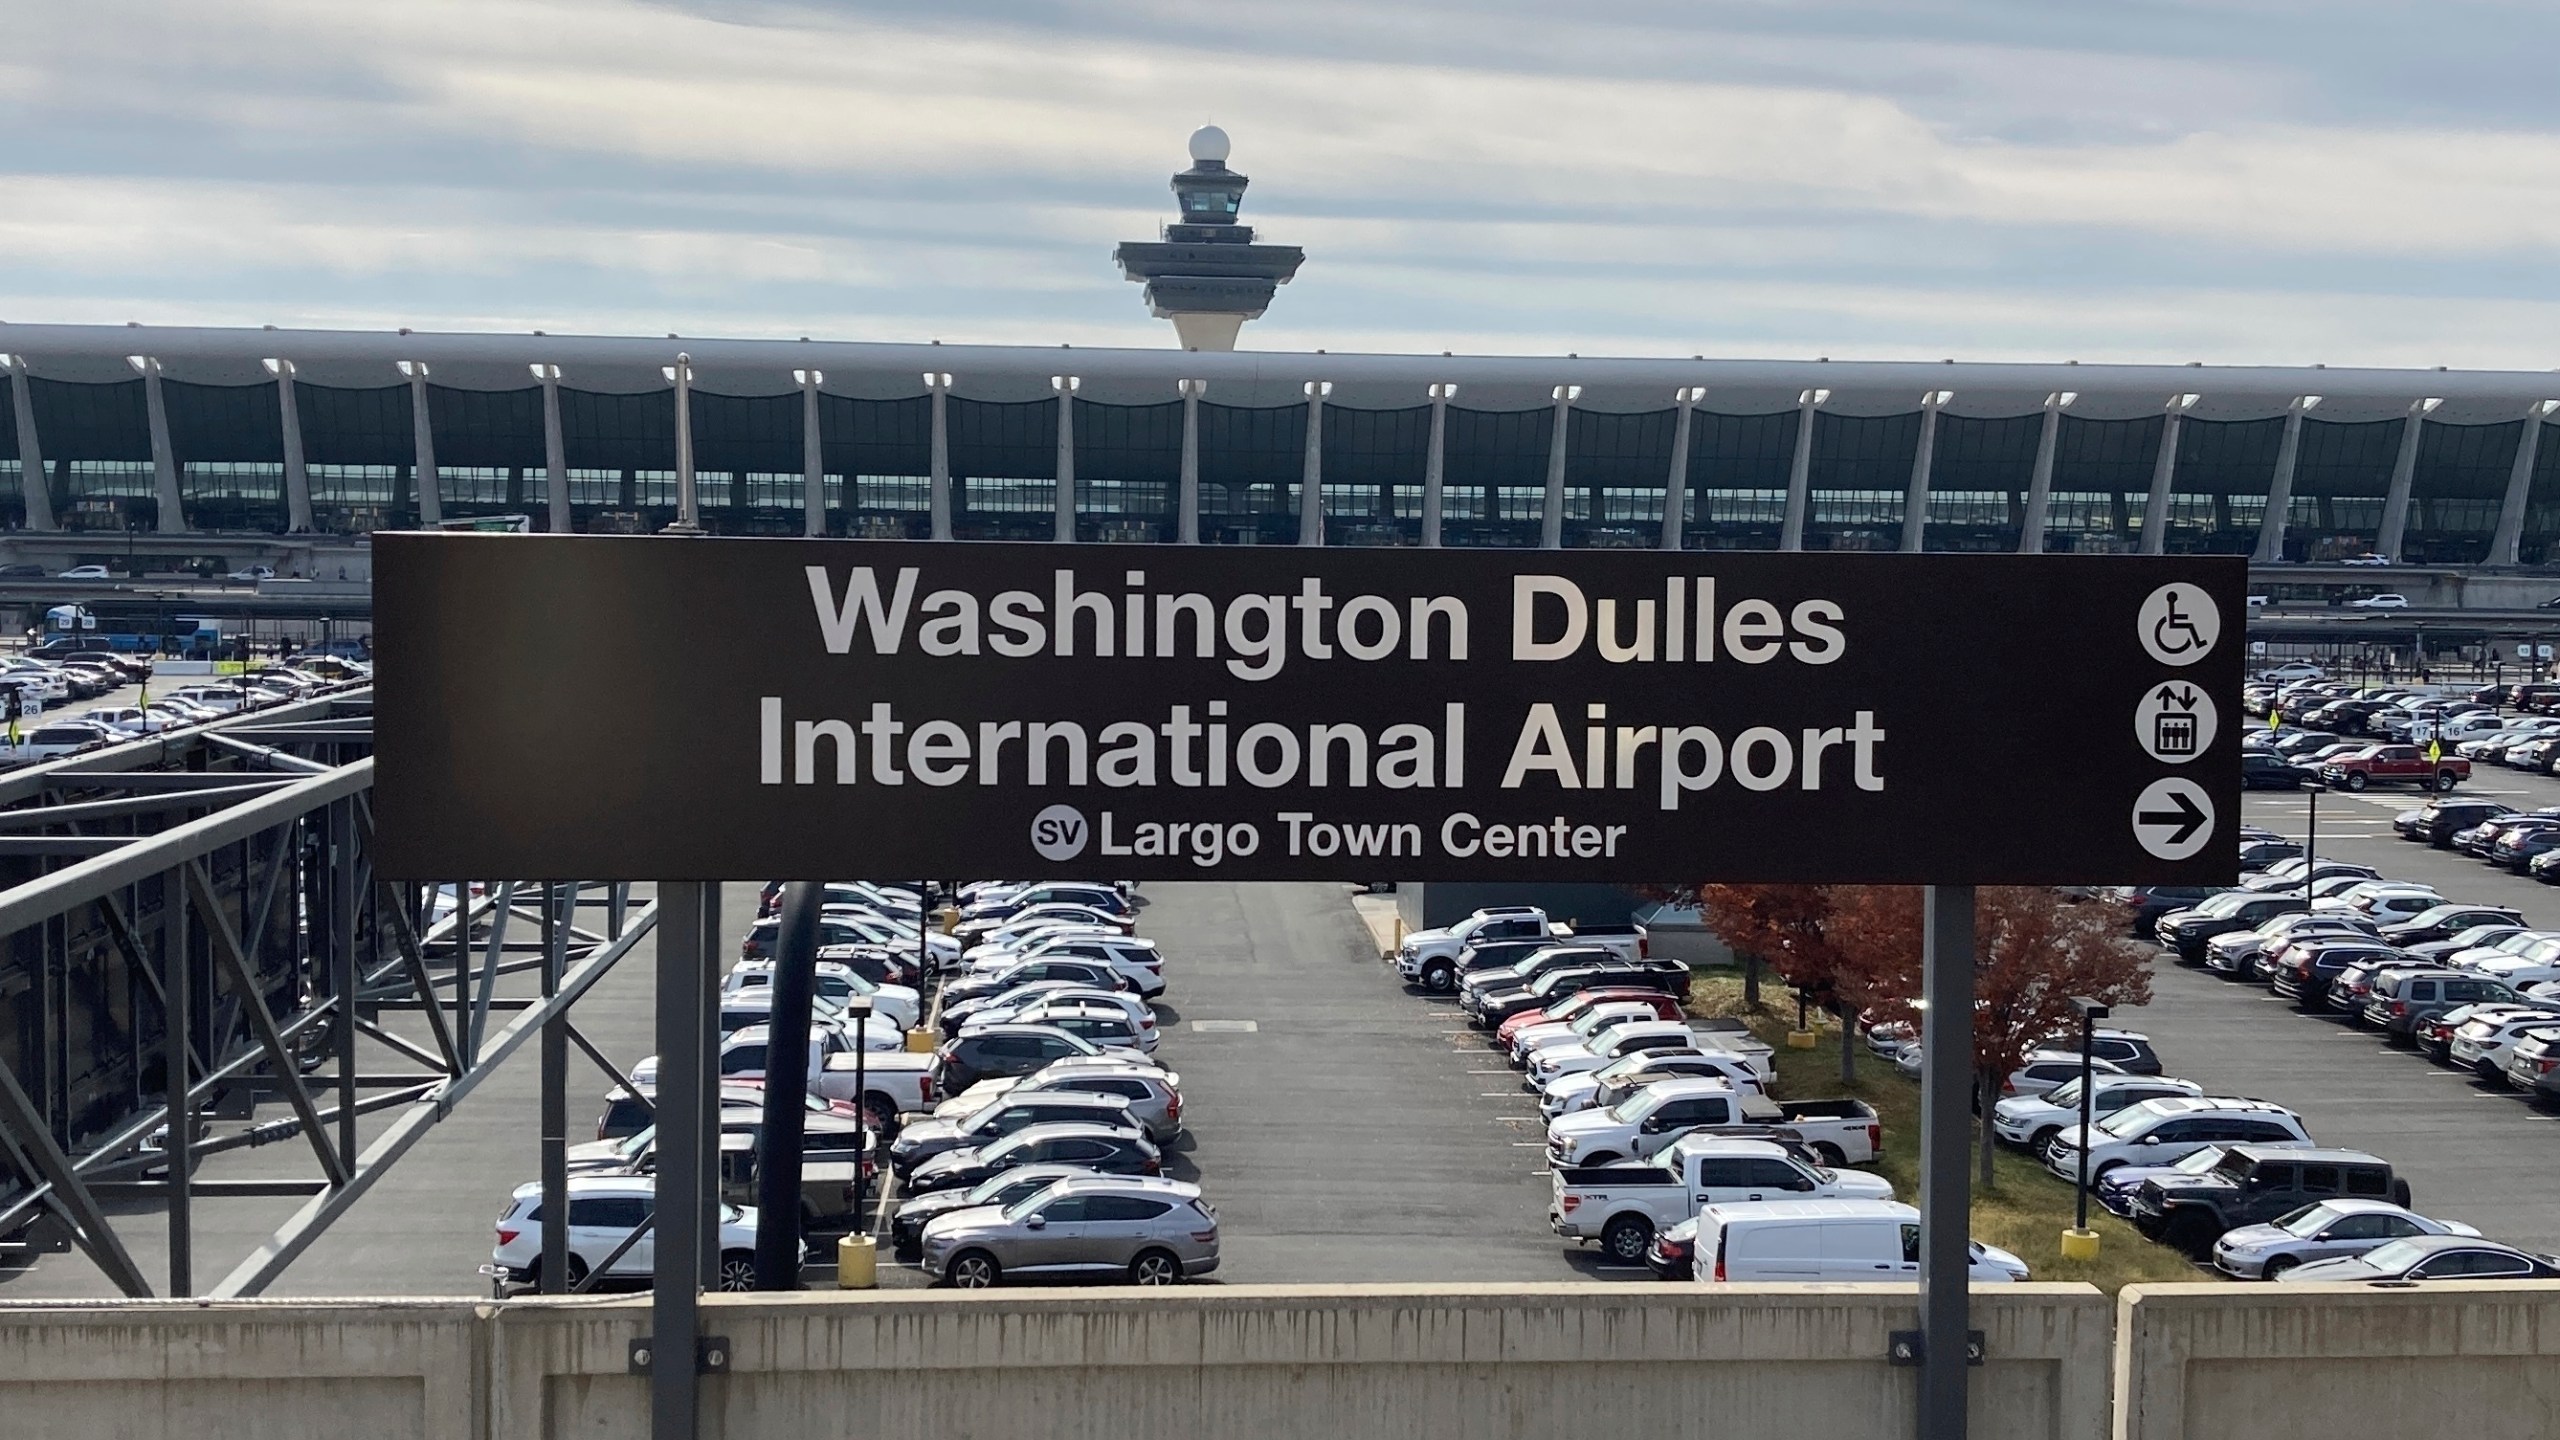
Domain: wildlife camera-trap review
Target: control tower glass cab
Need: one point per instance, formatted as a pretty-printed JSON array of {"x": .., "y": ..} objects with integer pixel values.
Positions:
[{"x": 1207, "y": 274}]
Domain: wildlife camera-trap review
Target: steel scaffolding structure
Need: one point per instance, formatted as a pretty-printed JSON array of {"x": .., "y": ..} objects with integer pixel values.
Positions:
[{"x": 203, "y": 904}]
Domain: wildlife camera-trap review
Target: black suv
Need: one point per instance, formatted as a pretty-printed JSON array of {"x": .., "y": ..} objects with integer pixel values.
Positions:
[
  {"x": 2185, "y": 931},
  {"x": 2254, "y": 1184},
  {"x": 2446, "y": 921},
  {"x": 2439, "y": 820}
]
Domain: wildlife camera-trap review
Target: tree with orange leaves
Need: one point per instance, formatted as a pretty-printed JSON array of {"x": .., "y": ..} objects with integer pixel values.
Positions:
[
  {"x": 1790, "y": 927},
  {"x": 2034, "y": 950}
]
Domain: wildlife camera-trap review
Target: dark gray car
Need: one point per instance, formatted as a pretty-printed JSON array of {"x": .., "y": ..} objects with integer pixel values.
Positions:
[{"x": 1155, "y": 1232}]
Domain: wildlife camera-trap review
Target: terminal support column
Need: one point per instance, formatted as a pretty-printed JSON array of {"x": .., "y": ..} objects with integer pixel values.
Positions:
[
  {"x": 2164, "y": 472},
  {"x": 2280, "y": 485},
  {"x": 2040, "y": 480},
  {"x": 1946, "y": 1124},
  {"x": 813, "y": 460},
  {"x": 939, "y": 476},
  {"x": 1924, "y": 457},
  {"x": 2404, "y": 479},
  {"x": 1433, "y": 467},
  {"x": 422, "y": 426},
  {"x": 31, "y": 473},
  {"x": 1065, "y": 385},
  {"x": 555, "y": 452},
  {"x": 297, "y": 475},
  {"x": 2506, "y": 544},
  {"x": 164, "y": 456},
  {"x": 1675, "y": 486},
  {"x": 1187, "y": 505},
  {"x": 1800, "y": 471},
  {"x": 1559, "y": 433},
  {"x": 1311, "y": 474}
]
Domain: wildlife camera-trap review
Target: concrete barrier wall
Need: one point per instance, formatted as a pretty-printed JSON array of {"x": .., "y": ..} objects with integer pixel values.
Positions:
[
  {"x": 2188, "y": 1362},
  {"x": 1396, "y": 1362},
  {"x": 2317, "y": 1362},
  {"x": 305, "y": 1370}
]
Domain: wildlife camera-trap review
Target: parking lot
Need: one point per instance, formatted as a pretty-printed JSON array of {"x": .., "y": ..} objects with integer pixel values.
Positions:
[
  {"x": 2471, "y": 1151},
  {"x": 1347, "y": 1128}
]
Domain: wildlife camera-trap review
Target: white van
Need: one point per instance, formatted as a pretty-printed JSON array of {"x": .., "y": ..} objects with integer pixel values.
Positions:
[{"x": 1829, "y": 1240}]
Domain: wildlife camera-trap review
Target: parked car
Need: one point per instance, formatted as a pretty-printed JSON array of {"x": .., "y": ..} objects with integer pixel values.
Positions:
[
  {"x": 2185, "y": 932},
  {"x": 1428, "y": 957},
  {"x": 603, "y": 1211},
  {"x": 2398, "y": 1004},
  {"x": 2031, "y": 1121},
  {"x": 906, "y": 1226},
  {"x": 2263, "y": 771},
  {"x": 1154, "y": 1096},
  {"x": 2116, "y": 1188},
  {"x": 2443, "y": 922},
  {"x": 1155, "y": 1232},
  {"x": 1608, "y": 1043},
  {"x": 2157, "y": 1132},
  {"x": 1001, "y": 1116},
  {"x": 1650, "y": 1119},
  {"x": 2255, "y": 1184},
  {"x": 1670, "y": 1256},
  {"x": 2326, "y": 1230},
  {"x": 2482, "y": 1046},
  {"x": 1508, "y": 1033},
  {"x": 1853, "y": 1241},
  {"x": 1001, "y": 1050},
  {"x": 2430, "y": 1257},
  {"x": 1110, "y": 1150},
  {"x": 1669, "y": 976},
  {"x": 2533, "y": 1065},
  {"x": 1622, "y": 1206},
  {"x": 1620, "y": 1078}
]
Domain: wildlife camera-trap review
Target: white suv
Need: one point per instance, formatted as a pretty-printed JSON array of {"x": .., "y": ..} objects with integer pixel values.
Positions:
[
  {"x": 2161, "y": 1132},
  {"x": 2033, "y": 1120},
  {"x": 603, "y": 1211}
]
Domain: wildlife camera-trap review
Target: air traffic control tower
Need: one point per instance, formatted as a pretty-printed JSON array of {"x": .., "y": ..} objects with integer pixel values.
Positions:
[{"x": 1207, "y": 275}]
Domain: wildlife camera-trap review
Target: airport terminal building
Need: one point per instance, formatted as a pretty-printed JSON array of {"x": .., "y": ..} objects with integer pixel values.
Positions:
[{"x": 201, "y": 432}]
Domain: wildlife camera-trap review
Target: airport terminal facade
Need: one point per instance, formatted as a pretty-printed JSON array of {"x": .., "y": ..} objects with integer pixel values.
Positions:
[{"x": 173, "y": 432}]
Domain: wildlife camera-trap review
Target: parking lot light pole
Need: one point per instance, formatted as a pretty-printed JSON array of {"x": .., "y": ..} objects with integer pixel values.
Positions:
[
  {"x": 858, "y": 1008},
  {"x": 2080, "y": 1242}
]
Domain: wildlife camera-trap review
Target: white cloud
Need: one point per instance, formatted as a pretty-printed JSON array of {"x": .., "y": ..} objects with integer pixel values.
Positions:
[{"x": 1963, "y": 178}]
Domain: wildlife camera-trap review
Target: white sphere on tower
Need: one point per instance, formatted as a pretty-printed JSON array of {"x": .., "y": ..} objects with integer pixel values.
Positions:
[{"x": 1209, "y": 143}]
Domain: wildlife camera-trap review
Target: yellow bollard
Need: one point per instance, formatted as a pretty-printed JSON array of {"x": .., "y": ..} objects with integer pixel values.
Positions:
[
  {"x": 1800, "y": 1039},
  {"x": 857, "y": 1263},
  {"x": 2079, "y": 1244},
  {"x": 920, "y": 1042}
]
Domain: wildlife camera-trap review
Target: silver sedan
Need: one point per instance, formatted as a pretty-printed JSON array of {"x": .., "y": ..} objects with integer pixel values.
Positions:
[{"x": 2329, "y": 1230}]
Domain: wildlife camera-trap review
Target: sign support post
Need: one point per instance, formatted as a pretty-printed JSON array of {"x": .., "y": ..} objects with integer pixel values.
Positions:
[
  {"x": 675, "y": 1317},
  {"x": 1946, "y": 1194}
]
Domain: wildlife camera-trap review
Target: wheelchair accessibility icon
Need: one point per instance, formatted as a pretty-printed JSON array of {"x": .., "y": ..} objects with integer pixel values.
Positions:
[{"x": 2179, "y": 624}]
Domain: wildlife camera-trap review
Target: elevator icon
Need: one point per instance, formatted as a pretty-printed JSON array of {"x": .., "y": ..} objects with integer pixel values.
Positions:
[{"x": 2174, "y": 722}]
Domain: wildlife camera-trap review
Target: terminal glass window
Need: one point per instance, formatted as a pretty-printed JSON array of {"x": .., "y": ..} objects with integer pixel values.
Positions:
[
  {"x": 108, "y": 479},
  {"x": 1004, "y": 458},
  {"x": 1859, "y": 480},
  {"x": 1374, "y": 461},
  {"x": 1616, "y": 472},
  {"x": 2542, "y": 502},
  {"x": 1739, "y": 468},
  {"x": 477, "y": 485},
  {"x": 2341, "y": 479},
  {"x": 889, "y": 441},
  {"x": 913, "y": 493},
  {"x": 2460, "y": 484},
  {"x": 1494, "y": 476},
  {"x": 1252, "y": 462},
  {"x": 1979, "y": 473},
  {"x": 2218, "y": 493},
  {"x": 1128, "y": 461},
  {"x": 2101, "y": 481}
]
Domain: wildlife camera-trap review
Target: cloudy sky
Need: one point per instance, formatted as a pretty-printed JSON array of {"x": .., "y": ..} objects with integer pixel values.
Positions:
[{"x": 2226, "y": 180}]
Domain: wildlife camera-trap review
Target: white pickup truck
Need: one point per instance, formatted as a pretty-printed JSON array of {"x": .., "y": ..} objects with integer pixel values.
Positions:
[
  {"x": 1622, "y": 1206},
  {"x": 1841, "y": 1132},
  {"x": 894, "y": 1083},
  {"x": 1429, "y": 958}
]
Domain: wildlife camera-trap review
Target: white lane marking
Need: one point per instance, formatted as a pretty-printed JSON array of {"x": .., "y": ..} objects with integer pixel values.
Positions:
[{"x": 1224, "y": 1027}]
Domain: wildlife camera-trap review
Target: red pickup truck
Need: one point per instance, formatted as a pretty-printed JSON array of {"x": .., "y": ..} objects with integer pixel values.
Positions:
[{"x": 2395, "y": 765}]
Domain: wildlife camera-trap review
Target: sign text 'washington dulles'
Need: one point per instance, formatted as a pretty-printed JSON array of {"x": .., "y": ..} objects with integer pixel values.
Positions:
[{"x": 677, "y": 709}]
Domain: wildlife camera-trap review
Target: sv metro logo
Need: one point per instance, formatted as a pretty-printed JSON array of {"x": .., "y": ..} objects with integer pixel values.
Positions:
[{"x": 1060, "y": 832}]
